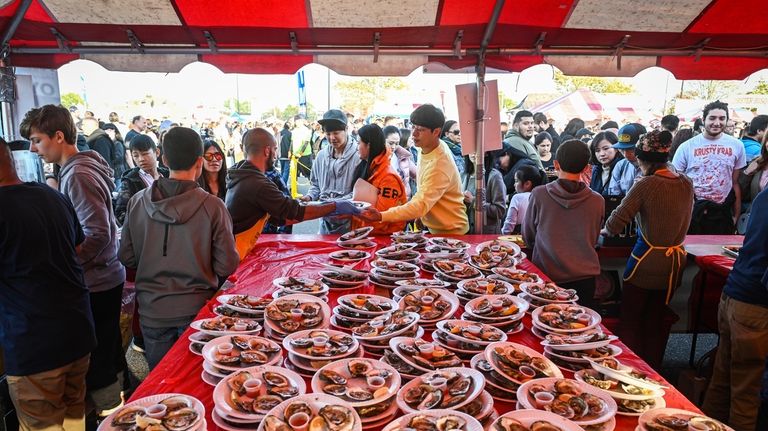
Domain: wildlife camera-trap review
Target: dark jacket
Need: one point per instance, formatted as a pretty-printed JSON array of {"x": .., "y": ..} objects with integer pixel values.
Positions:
[
  {"x": 555, "y": 139},
  {"x": 179, "y": 239},
  {"x": 596, "y": 183},
  {"x": 285, "y": 143},
  {"x": 251, "y": 195},
  {"x": 100, "y": 142},
  {"x": 130, "y": 184},
  {"x": 517, "y": 160}
]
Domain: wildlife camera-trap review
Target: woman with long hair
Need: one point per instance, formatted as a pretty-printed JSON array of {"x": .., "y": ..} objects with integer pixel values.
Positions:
[
  {"x": 376, "y": 168},
  {"x": 495, "y": 197},
  {"x": 214, "y": 177},
  {"x": 604, "y": 159},
  {"x": 571, "y": 129}
]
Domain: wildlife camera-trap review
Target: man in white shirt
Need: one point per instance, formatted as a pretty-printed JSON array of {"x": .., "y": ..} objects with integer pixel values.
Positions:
[{"x": 713, "y": 160}]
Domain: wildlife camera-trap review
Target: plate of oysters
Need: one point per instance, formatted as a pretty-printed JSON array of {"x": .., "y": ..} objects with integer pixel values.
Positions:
[
  {"x": 312, "y": 411},
  {"x": 296, "y": 312},
  {"x": 449, "y": 388},
  {"x": 251, "y": 393},
  {"x": 436, "y": 420},
  {"x": 324, "y": 344},
  {"x": 358, "y": 381},
  {"x": 161, "y": 411}
]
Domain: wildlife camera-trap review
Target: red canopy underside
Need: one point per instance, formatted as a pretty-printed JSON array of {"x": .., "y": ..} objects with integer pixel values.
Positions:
[{"x": 722, "y": 25}]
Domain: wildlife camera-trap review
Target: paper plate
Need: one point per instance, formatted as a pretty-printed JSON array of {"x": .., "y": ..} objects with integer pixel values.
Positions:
[
  {"x": 222, "y": 392},
  {"x": 198, "y": 325},
  {"x": 344, "y": 255},
  {"x": 463, "y": 325},
  {"x": 210, "y": 349},
  {"x": 526, "y": 401},
  {"x": 617, "y": 392},
  {"x": 341, "y": 367},
  {"x": 594, "y": 319},
  {"x": 315, "y": 402},
  {"x": 622, "y": 374},
  {"x": 437, "y": 294},
  {"x": 489, "y": 356},
  {"x": 578, "y": 341},
  {"x": 476, "y": 387},
  {"x": 522, "y": 306},
  {"x": 262, "y": 303},
  {"x": 652, "y": 414},
  {"x": 356, "y": 302},
  {"x": 303, "y": 352},
  {"x": 199, "y": 424},
  {"x": 614, "y": 351},
  {"x": 528, "y": 416},
  {"x": 402, "y": 422},
  {"x": 317, "y": 286},
  {"x": 302, "y": 298}
]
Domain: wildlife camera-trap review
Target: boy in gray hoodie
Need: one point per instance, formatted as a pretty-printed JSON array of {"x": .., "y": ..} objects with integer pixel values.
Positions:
[
  {"x": 179, "y": 238},
  {"x": 565, "y": 251},
  {"x": 86, "y": 179}
]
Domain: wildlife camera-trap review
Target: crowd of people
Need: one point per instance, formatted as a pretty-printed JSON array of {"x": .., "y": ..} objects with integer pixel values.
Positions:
[{"x": 181, "y": 208}]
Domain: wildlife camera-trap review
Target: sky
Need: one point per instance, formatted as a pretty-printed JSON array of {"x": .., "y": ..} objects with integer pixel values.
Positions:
[{"x": 203, "y": 84}]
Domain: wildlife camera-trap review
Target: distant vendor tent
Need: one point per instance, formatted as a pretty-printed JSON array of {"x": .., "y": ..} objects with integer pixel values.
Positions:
[{"x": 596, "y": 107}]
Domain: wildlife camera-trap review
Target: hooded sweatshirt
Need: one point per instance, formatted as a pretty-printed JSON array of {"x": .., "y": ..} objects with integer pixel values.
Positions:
[
  {"x": 86, "y": 179},
  {"x": 251, "y": 195},
  {"x": 179, "y": 238},
  {"x": 519, "y": 143},
  {"x": 331, "y": 179},
  {"x": 562, "y": 226},
  {"x": 391, "y": 193}
]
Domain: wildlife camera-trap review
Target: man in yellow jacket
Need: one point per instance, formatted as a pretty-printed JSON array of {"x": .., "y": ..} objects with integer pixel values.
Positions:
[{"x": 439, "y": 202}]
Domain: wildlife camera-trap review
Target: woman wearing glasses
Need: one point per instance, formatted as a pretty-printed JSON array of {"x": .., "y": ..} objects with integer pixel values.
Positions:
[
  {"x": 214, "y": 177},
  {"x": 451, "y": 135}
]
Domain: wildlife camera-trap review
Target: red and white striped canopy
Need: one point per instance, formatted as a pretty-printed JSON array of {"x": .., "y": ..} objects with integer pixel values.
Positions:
[{"x": 693, "y": 39}]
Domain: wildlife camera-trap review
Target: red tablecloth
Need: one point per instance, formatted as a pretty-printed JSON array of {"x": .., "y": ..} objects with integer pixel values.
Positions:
[{"x": 287, "y": 255}]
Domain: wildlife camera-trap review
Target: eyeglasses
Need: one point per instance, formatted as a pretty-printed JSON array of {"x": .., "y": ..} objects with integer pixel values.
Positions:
[
  {"x": 455, "y": 132},
  {"x": 209, "y": 157}
]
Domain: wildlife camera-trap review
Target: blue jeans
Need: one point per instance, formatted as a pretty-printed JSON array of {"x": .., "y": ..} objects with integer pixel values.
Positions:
[
  {"x": 285, "y": 167},
  {"x": 158, "y": 341}
]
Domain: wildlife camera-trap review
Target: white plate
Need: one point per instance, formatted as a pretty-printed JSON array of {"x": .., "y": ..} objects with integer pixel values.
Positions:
[
  {"x": 422, "y": 282},
  {"x": 553, "y": 370},
  {"x": 575, "y": 345},
  {"x": 311, "y": 366},
  {"x": 660, "y": 404},
  {"x": 223, "y": 299},
  {"x": 209, "y": 378},
  {"x": 463, "y": 323},
  {"x": 337, "y": 255},
  {"x": 623, "y": 375},
  {"x": 443, "y": 294},
  {"x": 615, "y": 351},
  {"x": 498, "y": 246},
  {"x": 393, "y": 343},
  {"x": 106, "y": 424},
  {"x": 342, "y": 301},
  {"x": 383, "y": 276},
  {"x": 196, "y": 348},
  {"x": 219, "y": 421},
  {"x": 210, "y": 349},
  {"x": 478, "y": 384},
  {"x": 384, "y": 266},
  {"x": 392, "y": 383},
  {"x": 320, "y": 287},
  {"x": 528, "y": 416},
  {"x": 356, "y": 234},
  {"x": 650, "y": 415},
  {"x": 449, "y": 243},
  {"x": 365, "y": 245},
  {"x": 316, "y": 402},
  {"x": 382, "y": 419},
  {"x": 395, "y": 250},
  {"x": 505, "y": 274},
  {"x": 301, "y": 352},
  {"x": 199, "y": 338},
  {"x": 361, "y": 205},
  {"x": 324, "y": 309},
  {"x": 655, "y": 393},
  {"x": 524, "y": 399},
  {"x": 593, "y": 322},
  {"x": 402, "y": 421},
  {"x": 385, "y": 317},
  {"x": 505, "y": 288},
  {"x": 525, "y": 287},
  {"x": 215, "y": 371},
  {"x": 522, "y": 306},
  {"x": 452, "y": 273},
  {"x": 221, "y": 394},
  {"x": 329, "y": 276},
  {"x": 197, "y": 325}
]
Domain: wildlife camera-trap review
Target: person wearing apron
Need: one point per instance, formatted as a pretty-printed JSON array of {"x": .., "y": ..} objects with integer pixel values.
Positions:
[{"x": 661, "y": 203}]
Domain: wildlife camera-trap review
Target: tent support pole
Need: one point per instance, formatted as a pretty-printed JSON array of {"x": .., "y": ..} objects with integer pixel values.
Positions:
[
  {"x": 482, "y": 96},
  {"x": 9, "y": 31},
  {"x": 7, "y": 92}
]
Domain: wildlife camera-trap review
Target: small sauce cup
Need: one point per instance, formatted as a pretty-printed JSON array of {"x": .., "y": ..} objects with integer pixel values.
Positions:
[
  {"x": 543, "y": 399},
  {"x": 225, "y": 348},
  {"x": 497, "y": 304},
  {"x": 427, "y": 300},
  {"x": 527, "y": 371},
  {"x": 426, "y": 350},
  {"x": 296, "y": 314},
  {"x": 299, "y": 421},
  {"x": 239, "y": 326},
  {"x": 252, "y": 387},
  {"x": 375, "y": 382},
  {"x": 156, "y": 411}
]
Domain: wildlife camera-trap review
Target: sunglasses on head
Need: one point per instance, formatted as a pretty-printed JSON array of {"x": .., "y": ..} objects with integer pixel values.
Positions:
[{"x": 213, "y": 156}]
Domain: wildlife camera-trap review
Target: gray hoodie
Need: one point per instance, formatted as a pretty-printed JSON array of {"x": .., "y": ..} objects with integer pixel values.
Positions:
[
  {"x": 331, "y": 179},
  {"x": 562, "y": 226},
  {"x": 86, "y": 179},
  {"x": 179, "y": 238}
]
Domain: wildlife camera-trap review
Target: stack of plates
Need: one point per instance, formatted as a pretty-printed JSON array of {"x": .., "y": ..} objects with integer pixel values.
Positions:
[
  {"x": 459, "y": 389},
  {"x": 293, "y": 313},
  {"x": 243, "y": 398},
  {"x": 183, "y": 410},
  {"x": 198, "y": 340},
  {"x": 248, "y": 306},
  {"x": 290, "y": 285},
  {"x": 357, "y": 239},
  {"x": 408, "y": 286},
  {"x": 418, "y": 238},
  {"x": 450, "y": 244},
  {"x": 500, "y": 387},
  {"x": 525, "y": 418},
  {"x": 574, "y": 352},
  {"x": 495, "y": 254},
  {"x": 403, "y": 252},
  {"x": 342, "y": 278},
  {"x": 315, "y": 409},
  {"x": 368, "y": 386},
  {"x": 432, "y": 305},
  {"x": 633, "y": 393},
  {"x": 387, "y": 273},
  {"x": 434, "y": 253},
  {"x": 465, "y": 338},
  {"x": 421, "y": 355},
  {"x": 682, "y": 419},
  {"x": 538, "y": 294},
  {"x": 224, "y": 355},
  {"x": 501, "y": 246},
  {"x": 312, "y": 349},
  {"x": 595, "y": 408},
  {"x": 516, "y": 276},
  {"x": 375, "y": 334},
  {"x": 356, "y": 309},
  {"x": 471, "y": 289},
  {"x": 349, "y": 256},
  {"x": 518, "y": 363},
  {"x": 438, "y": 419},
  {"x": 454, "y": 271},
  {"x": 223, "y": 325},
  {"x": 569, "y": 319},
  {"x": 505, "y": 312}
]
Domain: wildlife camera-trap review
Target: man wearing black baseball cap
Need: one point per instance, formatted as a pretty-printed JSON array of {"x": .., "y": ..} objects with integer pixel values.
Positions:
[{"x": 334, "y": 168}]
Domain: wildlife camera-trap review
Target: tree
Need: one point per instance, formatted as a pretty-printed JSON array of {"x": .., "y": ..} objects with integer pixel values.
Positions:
[
  {"x": 708, "y": 90},
  {"x": 599, "y": 85},
  {"x": 239, "y": 106},
  {"x": 288, "y": 112},
  {"x": 760, "y": 88},
  {"x": 505, "y": 103},
  {"x": 359, "y": 95},
  {"x": 71, "y": 99}
]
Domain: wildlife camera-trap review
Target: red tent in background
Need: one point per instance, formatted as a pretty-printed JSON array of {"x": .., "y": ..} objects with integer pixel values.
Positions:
[{"x": 693, "y": 39}]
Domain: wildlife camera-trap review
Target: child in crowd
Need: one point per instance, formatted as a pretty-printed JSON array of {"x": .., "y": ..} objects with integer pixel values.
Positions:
[
  {"x": 562, "y": 224},
  {"x": 526, "y": 178}
]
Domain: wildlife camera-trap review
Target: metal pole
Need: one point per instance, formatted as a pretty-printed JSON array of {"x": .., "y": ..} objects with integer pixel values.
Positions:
[
  {"x": 6, "y": 107},
  {"x": 14, "y": 24}
]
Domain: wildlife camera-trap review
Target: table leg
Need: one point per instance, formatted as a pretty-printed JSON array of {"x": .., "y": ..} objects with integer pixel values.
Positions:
[{"x": 699, "y": 305}]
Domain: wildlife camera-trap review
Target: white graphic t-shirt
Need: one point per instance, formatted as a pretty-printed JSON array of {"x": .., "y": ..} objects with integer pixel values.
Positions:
[{"x": 710, "y": 163}]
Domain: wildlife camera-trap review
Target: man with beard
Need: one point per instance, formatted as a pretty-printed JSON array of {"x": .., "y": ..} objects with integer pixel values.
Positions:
[
  {"x": 252, "y": 199},
  {"x": 334, "y": 169},
  {"x": 520, "y": 134},
  {"x": 713, "y": 160}
]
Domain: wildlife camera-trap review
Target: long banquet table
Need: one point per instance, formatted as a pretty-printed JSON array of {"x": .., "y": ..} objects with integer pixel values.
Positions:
[{"x": 303, "y": 255}]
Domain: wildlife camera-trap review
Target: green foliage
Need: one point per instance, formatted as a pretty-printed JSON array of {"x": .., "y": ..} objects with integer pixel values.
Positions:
[
  {"x": 505, "y": 103},
  {"x": 288, "y": 112},
  {"x": 761, "y": 88},
  {"x": 708, "y": 90},
  {"x": 70, "y": 99},
  {"x": 239, "y": 106},
  {"x": 599, "y": 85},
  {"x": 359, "y": 95}
]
